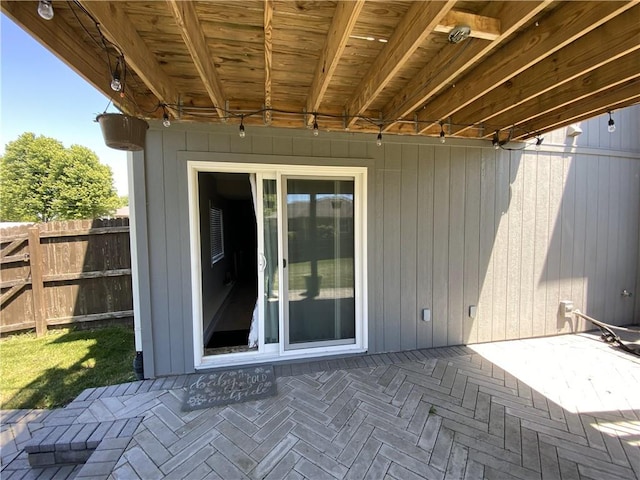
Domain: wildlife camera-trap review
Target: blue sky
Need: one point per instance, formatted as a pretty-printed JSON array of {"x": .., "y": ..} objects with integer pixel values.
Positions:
[{"x": 40, "y": 94}]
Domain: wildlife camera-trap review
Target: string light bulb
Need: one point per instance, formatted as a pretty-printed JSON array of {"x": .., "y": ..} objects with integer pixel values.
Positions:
[
  {"x": 379, "y": 139},
  {"x": 496, "y": 140},
  {"x": 116, "y": 83},
  {"x": 45, "y": 9},
  {"x": 539, "y": 141},
  {"x": 241, "y": 131},
  {"x": 611, "y": 127},
  {"x": 442, "y": 136},
  {"x": 315, "y": 125},
  {"x": 165, "y": 118}
]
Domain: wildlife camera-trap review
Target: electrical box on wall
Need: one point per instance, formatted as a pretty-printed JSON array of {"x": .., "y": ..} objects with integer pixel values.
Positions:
[{"x": 426, "y": 315}]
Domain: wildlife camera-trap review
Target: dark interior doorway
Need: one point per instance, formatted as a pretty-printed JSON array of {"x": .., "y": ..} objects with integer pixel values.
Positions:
[{"x": 230, "y": 284}]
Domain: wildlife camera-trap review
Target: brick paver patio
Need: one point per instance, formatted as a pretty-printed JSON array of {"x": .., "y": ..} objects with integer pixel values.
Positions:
[{"x": 564, "y": 407}]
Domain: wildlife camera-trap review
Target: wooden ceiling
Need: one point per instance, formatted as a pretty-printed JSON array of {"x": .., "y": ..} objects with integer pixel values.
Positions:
[{"x": 528, "y": 67}]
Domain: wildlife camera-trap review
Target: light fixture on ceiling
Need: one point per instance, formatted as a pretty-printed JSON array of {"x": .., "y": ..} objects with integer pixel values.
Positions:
[
  {"x": 379, "y": 139},
  {"x": 45, "y": 9},
  {"x": 315, "y": 125},
  {"x": 611, "y": 126},
  {"x": 442, "y": 136},
  {"x": 459, "y": 33}
]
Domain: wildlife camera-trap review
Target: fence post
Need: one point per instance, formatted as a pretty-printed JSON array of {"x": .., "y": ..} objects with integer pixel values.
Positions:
[{"x": 37, "y": 283}]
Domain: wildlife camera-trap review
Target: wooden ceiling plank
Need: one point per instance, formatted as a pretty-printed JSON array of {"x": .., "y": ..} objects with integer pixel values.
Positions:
[
  {"x": 55, "y": 36},
  {"x": 344, "y": 19},
  {"x": 486, "y": 28},
  {"x": 579, "y": 89},
  {"x": 562, "y": 26},
  {"x": 608, "y": 43},
  {"x": 604, "y": 101},
  {"x": 268, "y": 56},
  {"x": 417, "y": 24},
  {"x": 117, "y": 27},
  {"x": 451, "y": 63},
  {"x": 187, "y": 20}
]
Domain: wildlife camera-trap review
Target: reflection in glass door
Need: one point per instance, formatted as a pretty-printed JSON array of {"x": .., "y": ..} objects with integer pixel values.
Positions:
[{"x": 319, "y": 240}]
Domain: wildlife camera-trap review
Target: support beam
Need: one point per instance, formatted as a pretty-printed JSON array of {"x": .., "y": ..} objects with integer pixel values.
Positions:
[
  {"x": 580, "y": 90},
  {"x": 486, "y": 28},
  {"x": 187, "y": 20},
  {"x": 80, "y": 56},
  {"x": 268, "y": 54},
  {"x": 562, "y": 26},
  {"x": 451, "y": 62},
  {"x": 623, "y": 96},
  {"x": 611, "y": 42},
  {"x": 117, "y": 27},
  {"x": 344, "y": 19},
  {"x": 417, "y": 24}
]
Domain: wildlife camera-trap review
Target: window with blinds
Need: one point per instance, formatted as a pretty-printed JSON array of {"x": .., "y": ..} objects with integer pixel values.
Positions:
[{"x": 215, "y": 233}]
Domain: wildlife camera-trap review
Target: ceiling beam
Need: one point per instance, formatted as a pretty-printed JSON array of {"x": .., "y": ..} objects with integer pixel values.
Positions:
[
  {"x": 562, "y": 26},
  {"x": 608, "y": 43},
  {"x": 577, "y": 90},
  {"x": 417, "y": 24},
  {"x": 268, "y": 55},
  {"x": 187, "y": 20},
  {"x": 344, "y": 19},
  {"x": 119, "y": 30},
  {"x": 454, "y": 60},
  {"x": 81, "y": 57},
  {"x": 623, "y": 96},
  {"x": 486, "y": 28}
]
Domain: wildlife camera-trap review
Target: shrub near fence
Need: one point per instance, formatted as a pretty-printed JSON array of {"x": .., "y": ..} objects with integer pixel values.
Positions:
[{"x": 62, "y": 273}]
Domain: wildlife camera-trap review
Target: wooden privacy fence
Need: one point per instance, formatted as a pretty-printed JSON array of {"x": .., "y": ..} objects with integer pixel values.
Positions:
[{"x": 61, "y": 273}]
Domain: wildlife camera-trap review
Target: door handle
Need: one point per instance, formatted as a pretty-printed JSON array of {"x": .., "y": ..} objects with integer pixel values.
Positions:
[
  {"x": 284, "y": 263},
  {"x": 262, "y": 262}
]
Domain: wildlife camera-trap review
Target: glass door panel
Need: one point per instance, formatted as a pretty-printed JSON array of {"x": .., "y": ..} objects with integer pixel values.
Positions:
[
  {"x": 320, "y": 269},
  {"x": 270, "y": 267}
]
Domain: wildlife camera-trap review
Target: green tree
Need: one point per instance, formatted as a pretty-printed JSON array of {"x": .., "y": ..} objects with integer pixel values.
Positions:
[{"x": 40, "y": 180}]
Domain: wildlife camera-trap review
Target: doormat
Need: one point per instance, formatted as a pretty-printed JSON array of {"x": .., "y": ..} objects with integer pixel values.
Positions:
[{"x": 224, "y": 387}]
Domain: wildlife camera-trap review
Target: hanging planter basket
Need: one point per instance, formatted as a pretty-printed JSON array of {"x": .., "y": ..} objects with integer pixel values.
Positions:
[{"x": 123, "y": 132}]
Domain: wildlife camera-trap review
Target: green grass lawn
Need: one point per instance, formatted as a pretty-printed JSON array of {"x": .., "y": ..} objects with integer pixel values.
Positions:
[
  {"x": 334, "y": 273},
  {"x": 50, "y": 371}
]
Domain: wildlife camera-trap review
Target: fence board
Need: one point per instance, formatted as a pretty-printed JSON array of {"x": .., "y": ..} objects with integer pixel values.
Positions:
[{"x": 64, "y": 272}]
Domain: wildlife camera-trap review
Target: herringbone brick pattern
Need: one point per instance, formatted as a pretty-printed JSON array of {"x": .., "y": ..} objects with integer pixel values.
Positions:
[{"x": 404, "y": 417}]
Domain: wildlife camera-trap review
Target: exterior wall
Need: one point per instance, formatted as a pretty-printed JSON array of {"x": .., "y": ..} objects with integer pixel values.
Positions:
[{"x": 449, "y": 226}]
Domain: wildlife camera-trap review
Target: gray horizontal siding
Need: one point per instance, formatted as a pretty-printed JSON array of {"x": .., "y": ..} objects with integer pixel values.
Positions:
[{"x": 449, "y": 226}]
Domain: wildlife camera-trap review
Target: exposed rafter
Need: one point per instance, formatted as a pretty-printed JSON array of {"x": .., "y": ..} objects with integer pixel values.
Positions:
[
  {"x": 55, "y": 36},
  {"x": 344, "y": 19},
  {"x": 604, "y": 45},
  {"x": 118, "y": 29},
  {"x": 268, "y": 54},
  {"x": 562, "y": 26},
  {"x": 187, "y": 20},
  {"x": 626, "y": 94},
  {"x": 581, "y": 89},
  {"x": 452, "y": 62},
  {"x": 417, "y": 24},
  {"x": 486, "y": 28}
]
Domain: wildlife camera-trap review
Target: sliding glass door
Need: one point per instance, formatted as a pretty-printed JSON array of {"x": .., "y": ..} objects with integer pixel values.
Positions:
[{"x": 319, "y": 239}]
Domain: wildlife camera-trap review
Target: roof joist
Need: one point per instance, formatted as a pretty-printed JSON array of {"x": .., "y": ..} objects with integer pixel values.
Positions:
[
  {"x": 417, "y": 24},
  {"x": 117, "y": 27},
  {"x": 451, "y": 62},
  {"x": 186, "y": 18},
  {"x": 268, "y": 56},
  {"x": 555, "y": 31},
  {"x": 344, "y": 19},
  {"x": 609, "y": 42},
  {"x": 625, "y": 94}
]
